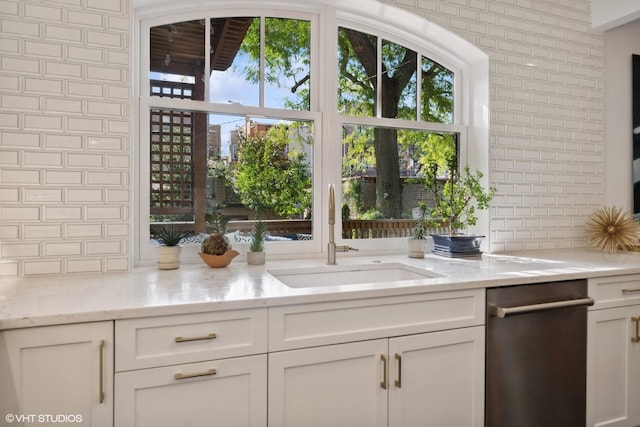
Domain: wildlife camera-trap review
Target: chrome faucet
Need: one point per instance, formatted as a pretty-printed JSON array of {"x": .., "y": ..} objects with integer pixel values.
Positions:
[{"x": 332, "y": 248}]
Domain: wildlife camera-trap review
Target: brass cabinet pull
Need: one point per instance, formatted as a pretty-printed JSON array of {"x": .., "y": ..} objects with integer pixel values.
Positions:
[
  {"x": 398, "y": 382},
  {"x": 383, "y": 383},
  {"x": 637, "y": 322},
  {"x": 180, "y": 376},
  {"x": 101, "y": 374},
  {"x": 200, "y": 338},
  {"x": 630, "y": 290}
]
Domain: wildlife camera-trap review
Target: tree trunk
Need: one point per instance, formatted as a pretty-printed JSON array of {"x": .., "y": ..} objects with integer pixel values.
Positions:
[{"x": 388, "y": 188}]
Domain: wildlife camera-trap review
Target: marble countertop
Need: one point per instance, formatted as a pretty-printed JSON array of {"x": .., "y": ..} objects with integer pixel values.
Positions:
[{"x": 148, "y": 291}]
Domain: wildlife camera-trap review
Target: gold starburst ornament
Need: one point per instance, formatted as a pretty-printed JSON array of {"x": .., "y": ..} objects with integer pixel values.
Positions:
[{"x": 611, "y": 229}]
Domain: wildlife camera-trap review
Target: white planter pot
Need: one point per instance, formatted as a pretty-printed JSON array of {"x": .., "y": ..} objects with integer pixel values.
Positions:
[
  {"x": 255, "y": 258},
  {"x": 169, "y": 257},
  {"x": 416, "y": 247}
]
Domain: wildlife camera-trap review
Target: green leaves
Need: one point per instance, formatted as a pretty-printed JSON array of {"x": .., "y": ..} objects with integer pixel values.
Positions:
[
  {"x": 170, "y": 235},
  {"x": 458, "y": 198},
  {"x": 271, "y": 174},
  {"x": 257, "y": 237}
]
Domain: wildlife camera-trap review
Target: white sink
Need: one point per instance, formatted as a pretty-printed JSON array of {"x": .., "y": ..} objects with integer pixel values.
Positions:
[{"x": 334, "y": 275}]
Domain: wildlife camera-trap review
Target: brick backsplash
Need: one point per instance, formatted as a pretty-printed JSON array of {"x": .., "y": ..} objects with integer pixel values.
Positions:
[
  {"x": 546, "y": 122},
  {"x": 64, "y": 136}
]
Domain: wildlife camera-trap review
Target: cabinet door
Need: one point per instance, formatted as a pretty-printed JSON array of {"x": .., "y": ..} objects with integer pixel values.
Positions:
[
  {"x": 437, "y": 379},
  {"x": 339, "y": 385},
  {"x": 613, "y": 368},
  {"x": 226, "y": 392},
  {"x": 58, "y": 371}
]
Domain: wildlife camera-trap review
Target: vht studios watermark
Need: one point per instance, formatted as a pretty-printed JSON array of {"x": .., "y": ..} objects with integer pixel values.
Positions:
[{"x": 43, "y": 418}]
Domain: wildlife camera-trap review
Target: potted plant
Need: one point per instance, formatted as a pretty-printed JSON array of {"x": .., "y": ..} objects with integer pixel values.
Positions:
[
  {"x": 419, "y": 234},
  {"x": 456, "y": 202},
  {"x": 169, "y": 251},
  {"x": 216, "y": 250},
  {"x": 255, "y": 255}
]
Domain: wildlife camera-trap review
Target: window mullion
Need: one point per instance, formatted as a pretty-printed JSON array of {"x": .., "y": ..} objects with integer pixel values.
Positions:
[
  {"x": 207, "y": 60},
  {"x": 378, "y": 112},
  {"x": 418, "y": 86},
  {"x": 262, "y": 61}
]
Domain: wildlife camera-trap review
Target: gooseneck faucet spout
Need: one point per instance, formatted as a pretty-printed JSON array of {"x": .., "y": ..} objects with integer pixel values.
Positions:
[
  {"x": 331, "y": 250},
  {"x": 331, "y": 246}
]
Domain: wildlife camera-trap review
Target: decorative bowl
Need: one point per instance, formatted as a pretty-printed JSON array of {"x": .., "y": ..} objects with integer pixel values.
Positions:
[{"x": 218, "y": 261}]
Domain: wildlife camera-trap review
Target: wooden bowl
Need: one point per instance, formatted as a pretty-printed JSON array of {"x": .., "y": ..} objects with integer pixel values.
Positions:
[{"x": 218, "y": 261}]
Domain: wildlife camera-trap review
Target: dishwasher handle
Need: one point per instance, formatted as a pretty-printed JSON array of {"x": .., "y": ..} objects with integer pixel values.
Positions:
[{"x": 503, "y": 312}]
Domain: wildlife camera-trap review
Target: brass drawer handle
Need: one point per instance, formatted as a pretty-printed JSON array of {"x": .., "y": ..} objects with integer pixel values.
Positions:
[
  {"x": 630, "y": 290},
  {"x": 383, "y": 383},
  {"x": 398, "y": 382},
  {"x": 636, "y": 320},
  {"x": 200, "y": 338},
  {"x": 181, "y": 376},
  {"x": 101, "y": 378}
]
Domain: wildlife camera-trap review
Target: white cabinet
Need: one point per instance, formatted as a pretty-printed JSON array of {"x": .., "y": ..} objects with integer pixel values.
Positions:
[
  {"x": 58, "y": 374},
  {"x": 433, "y": 379},
  {"x": 409, "y": 360},
  {"x": 437, "y": 379},
  {"x": 197, "y": 370},
  {"x": 613, "y": 353},
  {"x": 310, "y": 325},
  {"x": 335, "y": 385},
  {"x": 423, "y": 379}
]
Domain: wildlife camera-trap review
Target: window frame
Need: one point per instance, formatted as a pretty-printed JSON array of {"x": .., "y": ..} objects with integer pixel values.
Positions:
[{"x": 469, "y": 65}]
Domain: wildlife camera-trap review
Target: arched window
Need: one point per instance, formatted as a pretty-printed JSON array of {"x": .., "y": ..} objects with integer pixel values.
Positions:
[{"x": 249, "y": 113}]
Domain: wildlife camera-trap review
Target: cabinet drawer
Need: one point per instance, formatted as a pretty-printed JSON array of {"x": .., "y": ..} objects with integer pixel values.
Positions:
[
  {"x": 308, "y": 325},
  {"x": 225, "y": 392},
  {"x": 170, "y": 340},
  {"x": 615, "y": 291}
]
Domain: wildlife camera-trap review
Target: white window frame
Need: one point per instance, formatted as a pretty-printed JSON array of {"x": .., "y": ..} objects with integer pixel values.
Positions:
[{"x": 471, "y": 97}]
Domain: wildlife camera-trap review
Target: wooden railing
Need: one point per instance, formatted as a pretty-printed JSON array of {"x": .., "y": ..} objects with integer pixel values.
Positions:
[
  {"x": 380, "y": 228},
  {"x": 273, "y": 227},
  {"x": 276, "y": 227},
  {"x": 376, "y": 228},
  {"x": 351, "y": 228}
]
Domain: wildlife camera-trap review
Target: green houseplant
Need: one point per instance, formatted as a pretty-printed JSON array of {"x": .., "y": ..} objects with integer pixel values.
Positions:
[
  {"x": 256, "y": 255},
  {"x": 419, "y": 233},
  {"x": 216, "y": 251},
  {"x": 169, "y": 251},
  {"x": 216, "y": 221},
  {"x": 456, "y": 203}
]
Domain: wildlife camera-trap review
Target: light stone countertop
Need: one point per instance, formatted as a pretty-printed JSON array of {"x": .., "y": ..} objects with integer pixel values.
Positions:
[{"x": 194, "y": 288}]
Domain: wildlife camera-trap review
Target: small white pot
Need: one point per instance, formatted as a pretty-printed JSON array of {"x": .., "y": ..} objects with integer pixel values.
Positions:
[
  {"x": 169, "y": 257},
  {"x": 416, "y": 247},
  {"x": 255, "y": 258}
]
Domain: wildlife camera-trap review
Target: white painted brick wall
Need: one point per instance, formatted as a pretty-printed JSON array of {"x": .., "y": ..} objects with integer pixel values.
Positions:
[
  {"x": 65, "y": 125},
  {"x": 64, "y": 136},
  {"x": 546, "y": 142}
]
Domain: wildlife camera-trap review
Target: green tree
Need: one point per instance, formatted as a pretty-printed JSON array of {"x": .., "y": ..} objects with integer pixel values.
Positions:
[
  {"x": 272, "y": 173},
  {"x": 358, "y": 85},
  {"x": 287, "y": 58}
]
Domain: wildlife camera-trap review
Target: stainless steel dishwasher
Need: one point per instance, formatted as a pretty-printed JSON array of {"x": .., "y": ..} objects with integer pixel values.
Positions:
[{"x": 536, "y": 355}]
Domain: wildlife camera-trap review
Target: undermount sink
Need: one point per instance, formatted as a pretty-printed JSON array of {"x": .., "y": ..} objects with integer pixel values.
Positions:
[{"x": 334, "y": 275}]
